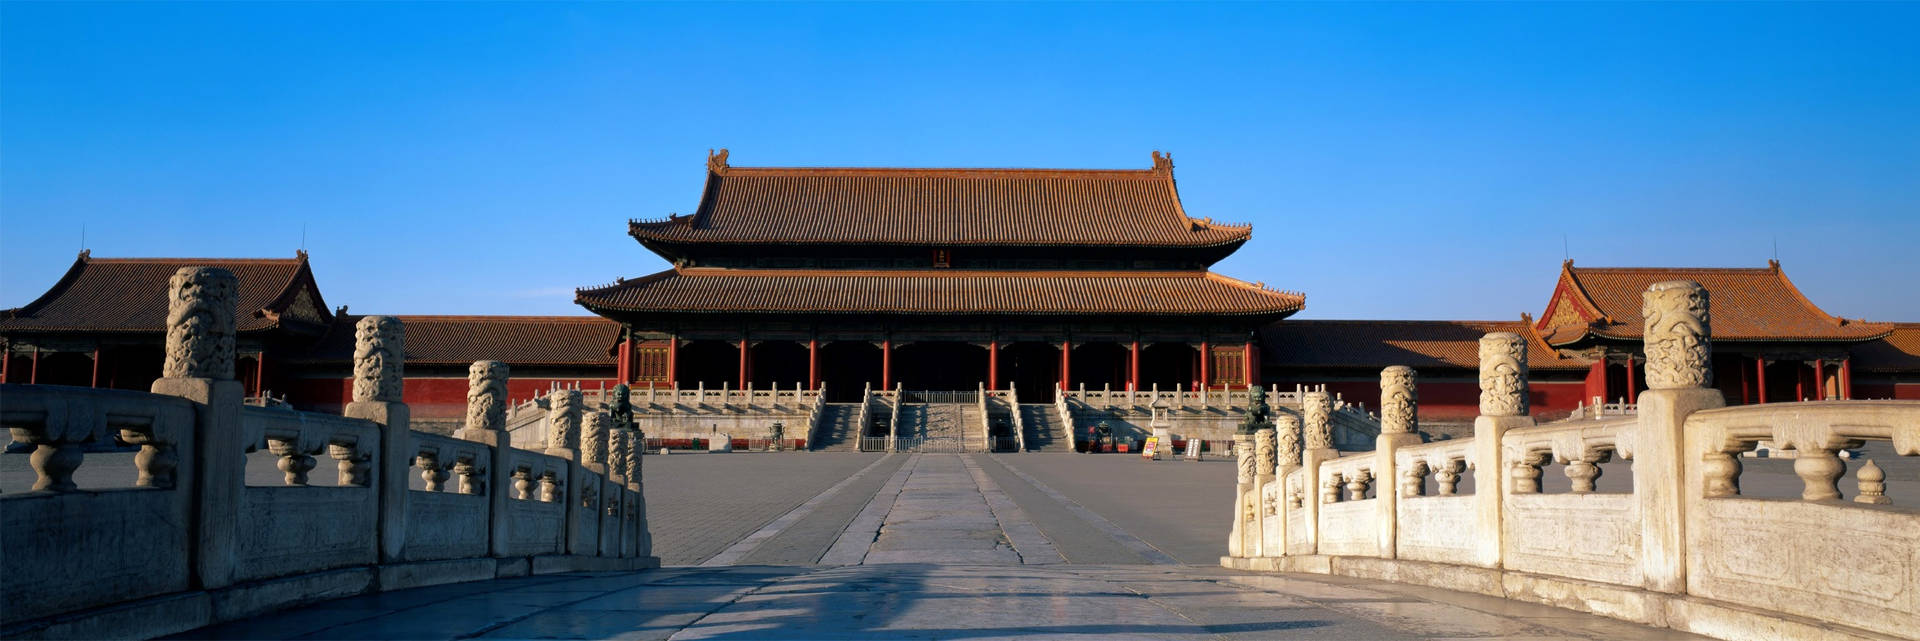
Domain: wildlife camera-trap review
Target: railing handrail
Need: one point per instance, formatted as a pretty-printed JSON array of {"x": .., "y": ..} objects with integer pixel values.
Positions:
[
  {"x": 893, "y": 422},
  {"x": 1065, "y": 413},
  {"x": 1019, "y": 423}
]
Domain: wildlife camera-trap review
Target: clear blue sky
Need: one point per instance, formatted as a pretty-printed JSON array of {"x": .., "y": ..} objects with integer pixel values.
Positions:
[{"x": 1398, "y": 161}]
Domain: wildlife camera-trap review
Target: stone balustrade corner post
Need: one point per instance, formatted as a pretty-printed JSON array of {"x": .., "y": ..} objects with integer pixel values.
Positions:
[
  {"x": 211, "y": 466},
  {"x": 1679, "y": 351},
  {"x": 379, "y": 355},
  {"x": 1399, "y": 425},
  {"x": 487, "y": 424},
  {"x": 1503, "y": 406}
]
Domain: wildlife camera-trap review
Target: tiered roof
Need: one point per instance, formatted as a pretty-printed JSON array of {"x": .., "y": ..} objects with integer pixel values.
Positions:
[
  {"x": 939, "y": 207},
  {"x": 1898, "y": 352},
  {"x": 1418, "y": 344},
  {"x": 1749, "y": 304},
  {"x": 937, "y": 291},
  {"x": 461, "y": 340},
  {"x": 129, "y": 295}
]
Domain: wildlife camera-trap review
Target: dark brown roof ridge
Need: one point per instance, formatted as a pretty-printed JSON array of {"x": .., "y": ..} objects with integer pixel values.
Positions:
[
  {"x": 128, "y": 295},
  {"x": 1398, "y": 320},
  {"x": 211, "y": 261},
  {"x": 708, "y": 290},
  {"x": 949, "y": 172},
  {"x": 1718, "y": 270},
  {"x": 938, "y": 271},
  {"x": 505, "y": 318},
  {"x": 905, "y": 206}
]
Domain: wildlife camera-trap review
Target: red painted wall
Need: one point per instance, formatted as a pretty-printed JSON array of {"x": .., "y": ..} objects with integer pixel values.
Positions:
[
  {"x": 425, "y": 397},
  {"x": 1455, "y": 400},
  {"x": 1886, "y": 389}
]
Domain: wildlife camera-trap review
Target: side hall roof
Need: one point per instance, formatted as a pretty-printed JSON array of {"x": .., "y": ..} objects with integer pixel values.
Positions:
[
  {"x": 1898, "y": 352},
  {"x": 939, "y": 291},
  {"x": 130, "y": 295},
  {"x": 1747, "y": 304},
  {"x": 940, "y": 207},
  {"x": 1376, "y": 344}
]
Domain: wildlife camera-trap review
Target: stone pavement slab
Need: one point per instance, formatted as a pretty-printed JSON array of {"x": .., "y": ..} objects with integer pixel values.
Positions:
[
  {"x": 700, "y": 504},
  {"x": 1180, "y": 508},
  {"x": 929, "y": 601}
]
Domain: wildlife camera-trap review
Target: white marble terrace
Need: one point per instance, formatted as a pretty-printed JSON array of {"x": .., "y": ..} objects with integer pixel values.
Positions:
[
  {"x": 1678, "y": 546},
  {"x": 189, "y": 543}
]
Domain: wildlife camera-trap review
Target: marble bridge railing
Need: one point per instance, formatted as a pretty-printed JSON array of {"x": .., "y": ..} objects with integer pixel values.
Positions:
[
  {"x": 188, "y": 541},
  {"x": 1676, "y": 544}
]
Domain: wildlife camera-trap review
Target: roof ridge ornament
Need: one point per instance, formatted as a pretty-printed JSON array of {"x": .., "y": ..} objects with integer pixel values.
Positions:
[
  {"x": 717, "y": 161},
  {"x": 1161, "y": 162}
]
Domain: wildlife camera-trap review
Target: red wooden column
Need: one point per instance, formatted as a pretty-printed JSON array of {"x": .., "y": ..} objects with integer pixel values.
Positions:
[
  {"x": 1819, "y": 379},
  {"x": 626, "y": 359},
  {"x": 1133, "y": 367},
  {"x": 96, "y": 369},
  {"x": 1253, "y": 375},
  {"x": 1066, "y": 365},
  {"x": 259, "y": 373},
  {"x": 886, "y": 364},
  {"x": 1746, "y": 392},
  {"x": 1596, "y": 381},
  {"x": 6, "y": 361},
  {"x": 743, "y": 363},
  {"x": 813, "y": 364},
  {"x": 673, "y": 361},
  {"x": 1206, "y": 365},
  {"x": 1846, "y": 378},
  {"x": 1633, "y": 384},
  {"x": 1246, "y": 365},
  {"x": 993, "y": 364},
  {"x": 1800, "y": 382},
  {"x": 1760, "y": 380},
  {"x": 33, "y": 372}
]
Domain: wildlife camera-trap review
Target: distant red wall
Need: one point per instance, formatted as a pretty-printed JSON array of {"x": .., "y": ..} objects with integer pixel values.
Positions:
[
  {"x": 1886, "y": 389},
  {"x": 425, "y": 397},
  {"x": 1457, "y": 400}
]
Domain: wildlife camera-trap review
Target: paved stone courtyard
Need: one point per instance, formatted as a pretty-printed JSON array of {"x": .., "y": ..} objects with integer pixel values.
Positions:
[{"x": 934, "y": 546}]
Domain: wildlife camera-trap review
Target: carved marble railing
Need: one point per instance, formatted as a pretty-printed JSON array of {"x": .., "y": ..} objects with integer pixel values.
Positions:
[
  {"x": 68, "y": 549},
  {"x": 865, "y": 418},
  {"x": 188, "y": 542},
  {"x": 701, "y": 400},
  {"x": 1818, "y": 556},
  {"x": 1063, "y": 412},
  {"x": 1672, "y": 543},
  {"x": 1019, "y": 423},
  {"x": 893, "y": 402},
  {"x": 1347, "y": 516},
  {"x": 814, "y": 413},
  {"x": 1606, "y": 545},
  {"x": 1432, "y": 526}
]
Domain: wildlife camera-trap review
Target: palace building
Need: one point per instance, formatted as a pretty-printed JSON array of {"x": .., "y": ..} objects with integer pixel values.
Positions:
[
  {"x": 1034, "y": 280},
  {"x": 940, "y": 279}
]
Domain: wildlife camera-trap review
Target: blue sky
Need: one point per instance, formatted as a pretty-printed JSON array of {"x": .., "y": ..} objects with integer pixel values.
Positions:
[{"x": 1397, "y": 160}]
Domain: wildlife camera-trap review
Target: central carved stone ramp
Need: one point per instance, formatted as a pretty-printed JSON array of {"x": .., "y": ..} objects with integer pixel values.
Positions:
[
  {"x": 839, "y": 428},
  {"x": 1044, "y": 431},
  {"x": 940, "y": 516}
]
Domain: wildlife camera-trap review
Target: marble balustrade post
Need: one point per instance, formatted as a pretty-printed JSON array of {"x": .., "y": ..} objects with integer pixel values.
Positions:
[
  {"x": 487, "y": 424},
  {"x": 1399, "y": 412},
  {"x": 379, "y": 354},
  {"x": 1316, "y": 409},
  {"x": 1679, "y": 349},
  {"x": 1503, "y": 406},
  {"x": 199, "y": 367}
]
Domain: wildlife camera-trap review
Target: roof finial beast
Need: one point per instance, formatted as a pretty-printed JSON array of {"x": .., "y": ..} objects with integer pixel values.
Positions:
[
  {"x": 1162, "y": 162},
  {"x": 717, "y": 161}
]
